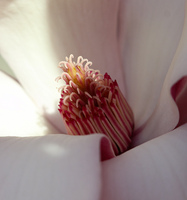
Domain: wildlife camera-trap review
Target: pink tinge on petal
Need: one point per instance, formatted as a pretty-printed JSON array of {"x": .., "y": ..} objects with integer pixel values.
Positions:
[
  {"x": 178, "y": 87},
  {"x": 179, "y": 94},
  {"x": 107, "y": 151}
]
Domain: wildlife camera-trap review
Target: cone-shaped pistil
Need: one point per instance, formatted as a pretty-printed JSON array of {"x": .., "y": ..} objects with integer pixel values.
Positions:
[{"x": 93, "y": 103}]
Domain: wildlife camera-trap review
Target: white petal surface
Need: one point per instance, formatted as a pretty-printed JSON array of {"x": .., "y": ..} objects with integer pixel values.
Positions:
[
  {"x": 150, "y": 31},
  {"x": 36, "y": 35},
  {"x": 154, "y": 170},
  {"x": 166, "y": 115},
  {"x": 25, "y": 45},
  {"x": 18, "y": 114},
  {"x": 51, "y": 167}
]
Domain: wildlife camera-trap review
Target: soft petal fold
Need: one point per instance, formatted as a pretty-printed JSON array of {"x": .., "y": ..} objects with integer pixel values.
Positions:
[
  {"x": 35, "y": 36},
  {"x": 166, "y": 115},
  {"x": 149, "y": 31},
  {"x": 179, "y": 94},
  {"x": 50, "y": 167},
  {"x": 18, "y": 114},
  {"x": 154, "y": 170}
]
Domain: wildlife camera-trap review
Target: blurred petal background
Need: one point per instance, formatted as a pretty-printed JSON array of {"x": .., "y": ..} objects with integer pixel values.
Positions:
[{"x": 4, "y": 67}]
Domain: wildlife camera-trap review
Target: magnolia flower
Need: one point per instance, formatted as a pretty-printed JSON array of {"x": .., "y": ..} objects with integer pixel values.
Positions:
[{"x": 142, "y": 44}]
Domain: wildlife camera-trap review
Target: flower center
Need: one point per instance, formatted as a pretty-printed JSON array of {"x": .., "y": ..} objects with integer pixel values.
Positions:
[{"x": 93, "y": 103}]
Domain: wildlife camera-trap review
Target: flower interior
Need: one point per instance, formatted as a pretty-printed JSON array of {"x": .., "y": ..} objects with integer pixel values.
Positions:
[{"x": 93, "y": 103}]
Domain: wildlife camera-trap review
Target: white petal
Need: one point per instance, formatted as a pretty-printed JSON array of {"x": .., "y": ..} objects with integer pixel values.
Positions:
[
  {"x": 52, "y": 167},
  {"x": 166, "y": 115},
  {"x": 36, "y": 35},
  {"x": 150, "y": 31},
  {"x": 154, "y": 170},
  {"x": 18, "y": 114}
]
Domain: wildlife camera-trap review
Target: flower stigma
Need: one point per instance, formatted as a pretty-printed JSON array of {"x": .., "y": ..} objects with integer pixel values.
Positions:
[{"x": 93, "y": 103}]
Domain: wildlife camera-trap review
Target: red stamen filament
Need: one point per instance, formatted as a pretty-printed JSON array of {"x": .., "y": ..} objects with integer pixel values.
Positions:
[{"x": 91, "y": 103}]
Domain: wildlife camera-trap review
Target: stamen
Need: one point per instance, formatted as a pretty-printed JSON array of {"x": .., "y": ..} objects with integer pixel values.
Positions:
[
  {"x": 88, "y": 64},
  {"x": 93, "y": 103}
]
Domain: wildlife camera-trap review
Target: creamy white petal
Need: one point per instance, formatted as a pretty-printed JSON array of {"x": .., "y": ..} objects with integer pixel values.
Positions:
[
  {"x": 150, "y": 31},
  {"x": 166, "y": 114},
  {"x": 18, "y": 114},
  {"x": 26, "y": 46},
  {"x": 51, "y": 167},
  {"x": 36, "y": 35},
  {"x": 154, "y": 170}
]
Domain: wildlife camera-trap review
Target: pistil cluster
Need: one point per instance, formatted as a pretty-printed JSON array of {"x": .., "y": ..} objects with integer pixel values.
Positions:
[{"x": 93, "y": 103}]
